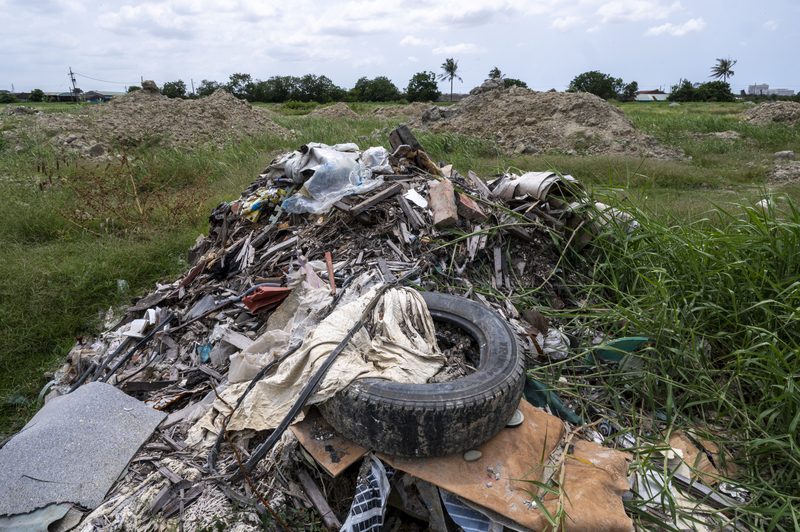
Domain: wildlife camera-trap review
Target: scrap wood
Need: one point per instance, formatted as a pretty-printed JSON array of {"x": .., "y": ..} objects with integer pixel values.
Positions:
[{"x": 318, "y": 500}]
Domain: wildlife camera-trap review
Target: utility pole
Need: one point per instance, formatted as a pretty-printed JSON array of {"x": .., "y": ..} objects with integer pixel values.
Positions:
[
  {"x": 72, "y": 77},
  {"x": 12, "y": 88},
  {"x": 192, "y": 85}
]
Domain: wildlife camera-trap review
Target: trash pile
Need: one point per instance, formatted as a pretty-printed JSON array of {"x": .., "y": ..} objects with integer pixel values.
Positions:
[
  {"x": 149, "y": 117},
  {"x": 344, "y": 351},
  {"x": 764, "y": 113},
  {"x": 528, "y": 122}
]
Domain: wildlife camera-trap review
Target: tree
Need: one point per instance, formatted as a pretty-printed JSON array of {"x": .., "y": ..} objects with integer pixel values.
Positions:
[
  {"x": 240, "y": 85},
  {"x": 511, "y": 82},
  {"x": 174, "y": 89},
  {"x": 496, "y": 74},
  {"x": 380, "y": 89},
  {"x": 597, "y": 83},
  {"x": 423, "y": 88},
  {"x": 629, "y": 92},
  {"x": 37, "y": 95},
  {"x": 207, "y": 88},
  {"x": 723, "y": 69},
  {"x": 134, "y": 88},
  {"x": 7, "y": 97},
  {"x": 450, "y": 67},
  {"x": 713, "y": 91}
]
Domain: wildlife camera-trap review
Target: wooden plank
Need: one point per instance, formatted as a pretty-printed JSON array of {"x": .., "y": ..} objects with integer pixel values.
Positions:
[
  {"x": 411, "y": 216},
  {"x": 237, "y": 340},
  {"x": 318, "y": 499},
  {"x": 388, "y": 276},
  {"x": 498, "y": 267},
  {"x": 479, "y": 184},
  {"x": 174, "y": 505},
  {"x": 278, "y": 247},
  {"x": 210, "y": 372},
  {"x": 397, "y": 250},
  {"x": 333, "y": 451},
  {"x": 377, "y": 198},
  {"x": 169, "y": 475}
]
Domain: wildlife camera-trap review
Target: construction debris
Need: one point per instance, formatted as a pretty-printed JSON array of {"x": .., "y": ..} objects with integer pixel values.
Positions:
[{"x": 282, "y": 308}]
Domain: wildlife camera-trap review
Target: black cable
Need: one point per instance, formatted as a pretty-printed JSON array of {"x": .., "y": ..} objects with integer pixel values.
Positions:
[
  {"x": 105, "y": 81},
  {"x": 111, "y": 357}
]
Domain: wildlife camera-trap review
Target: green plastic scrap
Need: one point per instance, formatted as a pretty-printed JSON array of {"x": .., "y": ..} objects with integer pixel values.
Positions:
[
  {"x": 616, "y": 350},
  {"x": 540, "y": 394}
]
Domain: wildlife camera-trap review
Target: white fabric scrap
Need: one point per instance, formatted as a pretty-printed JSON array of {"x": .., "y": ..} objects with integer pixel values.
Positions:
[{"x": 391, "y": 354}]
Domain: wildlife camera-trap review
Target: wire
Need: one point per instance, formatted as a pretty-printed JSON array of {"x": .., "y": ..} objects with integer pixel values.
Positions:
[{"x": 106, "y": 81}]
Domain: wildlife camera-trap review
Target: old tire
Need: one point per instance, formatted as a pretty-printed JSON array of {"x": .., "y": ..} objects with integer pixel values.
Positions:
[{"x": 420, "y": 420}]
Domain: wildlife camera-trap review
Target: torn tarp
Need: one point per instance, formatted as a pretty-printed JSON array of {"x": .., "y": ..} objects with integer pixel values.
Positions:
[{"x": 402, "y": 348}]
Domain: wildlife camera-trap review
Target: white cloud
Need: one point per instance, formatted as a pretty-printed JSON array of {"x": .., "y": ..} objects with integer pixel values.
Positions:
[
  {"x": 636, "y": 10},
  {"x": 413, "y": 41},
  {"x": 369, "y": 61},
  {"x": 692, "y": 25},
  {"x": 412, "y": 59},
  {"x": 565, "y": 23},
  {"x": 771, "y": 25},
  {"x": 461, "y": 48}
]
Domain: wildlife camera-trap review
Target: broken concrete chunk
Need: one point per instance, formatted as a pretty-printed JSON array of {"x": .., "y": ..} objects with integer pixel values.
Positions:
[
  {"x": 73, "y": 449},
  {"x": 443, "y": 204},
  {"x": 787, "y": 155},
  {"x": 469, "y": 208}
]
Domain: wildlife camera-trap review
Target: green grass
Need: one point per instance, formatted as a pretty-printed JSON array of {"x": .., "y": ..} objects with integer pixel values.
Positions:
[
  {"x": 712, "y": 281},
  {"x": 719, "y": 299}
]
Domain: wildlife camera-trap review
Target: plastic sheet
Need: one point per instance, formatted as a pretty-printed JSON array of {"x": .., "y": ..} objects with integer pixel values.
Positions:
[
  {"x": 330, "y": 183},
  {"x": 372, "y": 493},
  {"x": 377, "y": 159}
]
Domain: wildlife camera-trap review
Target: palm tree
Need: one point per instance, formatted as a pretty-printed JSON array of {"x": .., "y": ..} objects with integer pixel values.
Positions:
[
  {"x": 450, "y": 66},
  {"x": 723, "y": 69}
]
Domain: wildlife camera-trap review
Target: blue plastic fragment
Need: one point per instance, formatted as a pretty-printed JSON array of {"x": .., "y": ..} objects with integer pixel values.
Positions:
[{"x": 204, "y": 351}]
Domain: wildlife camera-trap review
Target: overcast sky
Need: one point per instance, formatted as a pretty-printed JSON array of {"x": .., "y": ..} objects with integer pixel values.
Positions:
[{"x": 545, "y": 43}]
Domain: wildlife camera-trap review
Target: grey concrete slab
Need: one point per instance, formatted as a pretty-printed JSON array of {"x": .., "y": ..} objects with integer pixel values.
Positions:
[{"x": 73, "y": 449}]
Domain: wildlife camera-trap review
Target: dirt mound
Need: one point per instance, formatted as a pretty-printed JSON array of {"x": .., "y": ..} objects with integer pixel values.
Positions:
[
  {"x": 401, "y": 111},
  {"x": 782, "y": 173},
  {"x": 762, "y": 114},
  {"x": 334, "y": 112},
  {"x": 140, "y": 117},
  {"x": 525, "y": 121}
]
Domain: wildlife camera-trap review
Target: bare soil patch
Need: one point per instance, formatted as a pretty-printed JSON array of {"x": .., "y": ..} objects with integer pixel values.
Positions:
[
  {"x": 334, "y": 112},
  {"x": 526, "y": 121},
  {"x": 767, "y": 112},
  {"x": 141, "y": 117},
  {"x": 401, "y": 111}
]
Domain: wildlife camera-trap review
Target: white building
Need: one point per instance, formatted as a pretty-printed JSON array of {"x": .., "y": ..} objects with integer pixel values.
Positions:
[{"x": 764, "y": 90}]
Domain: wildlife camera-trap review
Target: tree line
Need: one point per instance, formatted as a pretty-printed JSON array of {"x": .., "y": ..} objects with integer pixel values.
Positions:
[{"x": 421, "y": 87}]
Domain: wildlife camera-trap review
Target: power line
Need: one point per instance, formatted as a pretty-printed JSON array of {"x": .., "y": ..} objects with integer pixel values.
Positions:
[{"x": 106, "y": 81}]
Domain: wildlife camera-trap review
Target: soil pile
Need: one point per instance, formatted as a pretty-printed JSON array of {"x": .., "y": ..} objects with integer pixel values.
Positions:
[
  {"x": 140, "y": 117},
  {"x": 762, "y": 114},
  {"x": 526, "y": 121},
  {"x": 334, "y": 112},
  {"x": 782, "y": 173},
  {"x": 401, "y": 111}
]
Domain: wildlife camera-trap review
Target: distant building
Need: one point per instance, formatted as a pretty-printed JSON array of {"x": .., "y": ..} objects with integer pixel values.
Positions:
[
  {"x": 764, "y": 90},
  {"x": 650, "y": 96}
]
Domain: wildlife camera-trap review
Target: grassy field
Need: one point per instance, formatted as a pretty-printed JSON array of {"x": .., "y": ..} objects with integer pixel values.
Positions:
[{"x": 712, "y": 280}]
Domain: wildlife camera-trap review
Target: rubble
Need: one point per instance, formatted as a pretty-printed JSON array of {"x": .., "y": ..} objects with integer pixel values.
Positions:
[
  {"x": 346, "y": 280},
  {"x": 764, "y": 113},
  {"x": 530, "y": 122}
]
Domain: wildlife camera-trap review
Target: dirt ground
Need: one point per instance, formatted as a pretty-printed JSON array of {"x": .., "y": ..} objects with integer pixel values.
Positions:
[
  {"x": 401, "y": 111},
  {"x": 529, "y": 122},
  {"x": 141, "y": 117},
  {"x": 766, "y": 112},
  {"x": 334, "y": 112}
]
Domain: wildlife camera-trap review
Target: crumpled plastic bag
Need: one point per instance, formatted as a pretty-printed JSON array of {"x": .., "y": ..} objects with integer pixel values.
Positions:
[
  {"x": 330, "y": 183},
  {"x": 377, "y": 159},
  {"x": 404, "y": 349}
]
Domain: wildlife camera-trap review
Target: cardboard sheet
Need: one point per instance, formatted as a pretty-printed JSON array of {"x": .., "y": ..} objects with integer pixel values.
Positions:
[
  {"x": 594, "y": 484},
  {"x": 330, "y": 449}
]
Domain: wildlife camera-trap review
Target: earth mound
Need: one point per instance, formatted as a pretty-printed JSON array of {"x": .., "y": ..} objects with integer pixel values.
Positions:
[
  {"x": 401, "y": 111},
  {"x": 767, "y": 112},
  {"x": 140, "y": 117},
  {"x": 525, "y": 121},
  {"x": 334, "y": 112}
]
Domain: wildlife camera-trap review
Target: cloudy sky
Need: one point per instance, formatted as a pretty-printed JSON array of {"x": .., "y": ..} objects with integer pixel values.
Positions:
[{"x": 545, "y": 43}]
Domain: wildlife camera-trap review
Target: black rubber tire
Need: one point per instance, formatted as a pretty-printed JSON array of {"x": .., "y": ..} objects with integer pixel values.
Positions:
[{"x": 422, "y": 420}]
